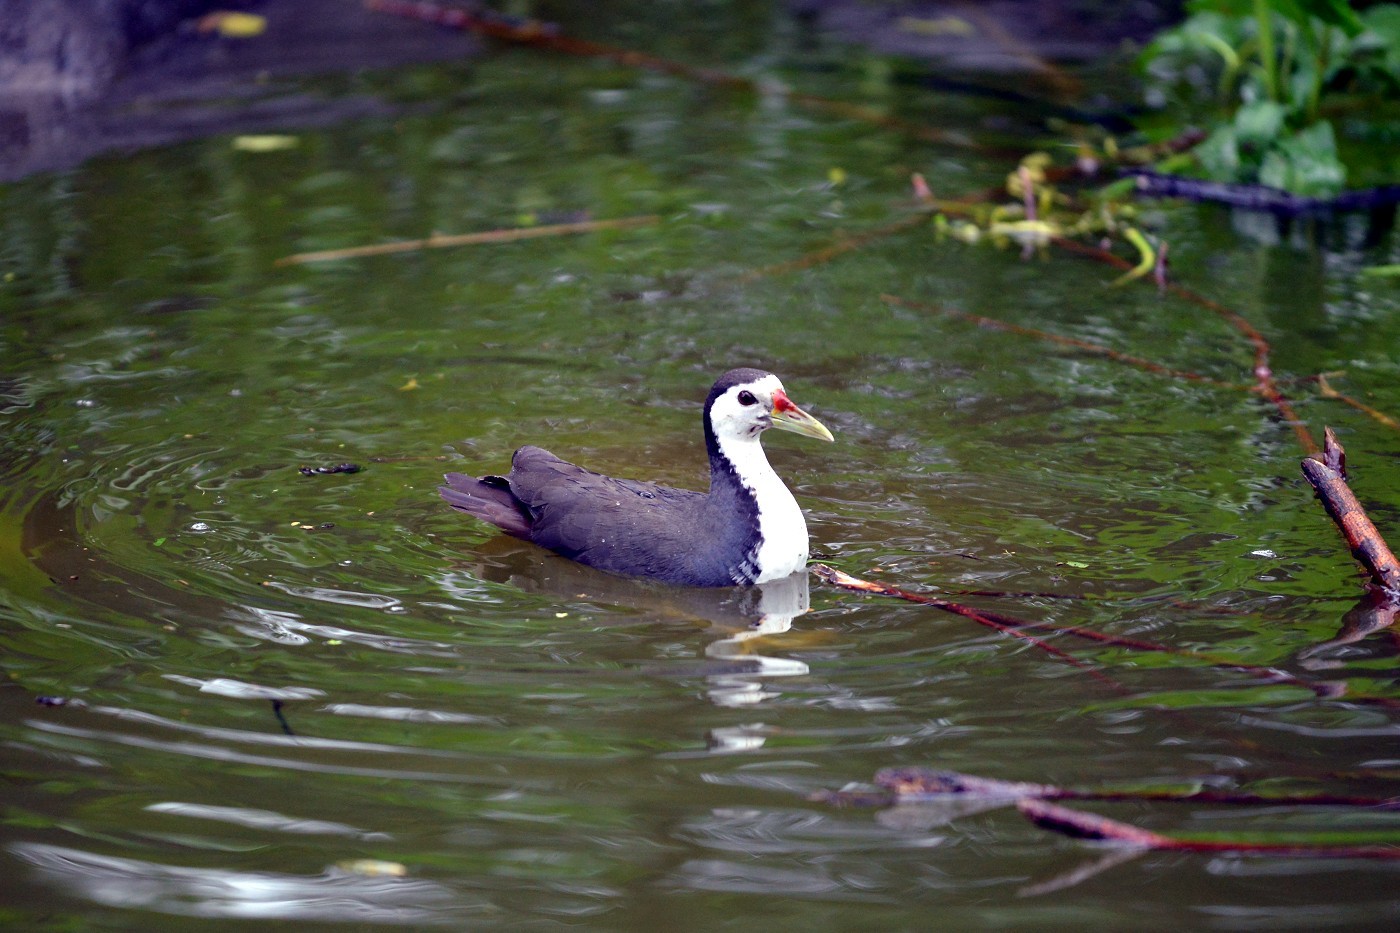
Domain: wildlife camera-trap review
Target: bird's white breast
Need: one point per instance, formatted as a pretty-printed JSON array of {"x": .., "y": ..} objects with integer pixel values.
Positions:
[{"x": 782, "y": 529}]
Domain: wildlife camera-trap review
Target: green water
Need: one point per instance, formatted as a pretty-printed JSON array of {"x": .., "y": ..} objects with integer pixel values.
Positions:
[{"x": 538, "y": 746}]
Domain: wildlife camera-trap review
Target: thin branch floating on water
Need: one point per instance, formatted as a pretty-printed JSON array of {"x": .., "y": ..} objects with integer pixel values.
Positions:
[
  {"x": 1264, "y": 382},
  {"x": 835, "y": 250},
  {"x": 1324, "y": 388},
  {"x": 1102, "y": 829},
  {"x": 1096, "y": 348},
  {"x": 914, "y": 785},
  {"x": 1013, "y": 626},
  {"x": 440, "y": 241}
]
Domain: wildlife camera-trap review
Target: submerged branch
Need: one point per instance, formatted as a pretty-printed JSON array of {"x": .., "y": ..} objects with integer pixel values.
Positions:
[
  {"x": 914, "y": 785},
  {"x": 992, "y": 620},
  {"x": 835, "y": 250},
  {"x": 1324, "y": 388},
  {"x": 1012, "y": 626},
  {"x": 1264, "y": 382},
  {"x": 1261, "y": 197},
  {"x": 440, "y": 241},
  {"x": 1087, "y": 346},
  {"x": 1102, "y": 829}
]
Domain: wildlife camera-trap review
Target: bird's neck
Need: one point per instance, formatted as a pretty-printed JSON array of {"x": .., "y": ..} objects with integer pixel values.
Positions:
[{"x": 739, "y": 463}]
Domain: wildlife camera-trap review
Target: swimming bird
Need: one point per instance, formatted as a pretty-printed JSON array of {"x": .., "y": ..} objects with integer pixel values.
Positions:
[{"x": 747, "y": 529}]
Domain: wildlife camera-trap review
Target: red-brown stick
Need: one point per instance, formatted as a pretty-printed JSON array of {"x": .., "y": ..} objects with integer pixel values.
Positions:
[
  {"x": 1085, "y": 345},
  {"x": 1265, "y": 383},
  {"x": 1013, "y": 626},
  {"x": 846, "y": 581},
  {"x": 1341, "y": 503},
  {"x": 1099, "y": 828},
  {"x": 842, "y": 246},
  {"x": 914, "y": 784}
]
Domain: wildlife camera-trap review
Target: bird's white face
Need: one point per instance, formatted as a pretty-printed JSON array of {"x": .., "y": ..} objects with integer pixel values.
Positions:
[{"x": 746, "y": 410}]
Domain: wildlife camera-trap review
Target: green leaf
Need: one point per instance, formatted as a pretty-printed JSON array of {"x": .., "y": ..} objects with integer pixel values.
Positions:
[
  {"x": 1226, "y": 7},
  {"x": 1334, "y": 13},
  {"x": 1219, "y": 154},
  {"x": 1306, "y": 163},
  {"x": 1384, "y": 22},
  {"x": 1382, "y": 36},
  {"x": 1259, "y": 123}
]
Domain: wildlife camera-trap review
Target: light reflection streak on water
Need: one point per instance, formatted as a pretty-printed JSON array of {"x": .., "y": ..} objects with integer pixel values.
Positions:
[
  {"x": 241, "y": 690},
  {"x": 225, "y": 893},
  {"x": 215, "y": 753},
  {"x": 1389, "y": 730},
  {"x": 409, "y": 714},
  {"x": 263, "y": 738},
  {"x": 289, "y": 628},
  {"x": 262, "y": 819},
  {"x": 339, "y": 597}
]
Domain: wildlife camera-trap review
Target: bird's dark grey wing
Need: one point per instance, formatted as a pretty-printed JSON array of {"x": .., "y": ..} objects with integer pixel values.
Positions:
[{"x": 623, "y": 526}]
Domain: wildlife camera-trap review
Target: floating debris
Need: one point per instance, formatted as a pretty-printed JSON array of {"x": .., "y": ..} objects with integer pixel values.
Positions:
[{"x": 338, "y": 468}]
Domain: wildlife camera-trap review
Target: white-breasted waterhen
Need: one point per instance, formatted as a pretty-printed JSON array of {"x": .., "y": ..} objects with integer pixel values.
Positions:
[{"x": 746, "y": 529}]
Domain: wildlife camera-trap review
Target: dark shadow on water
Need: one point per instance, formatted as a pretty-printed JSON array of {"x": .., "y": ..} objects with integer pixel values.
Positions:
[{"x": 81, "y": 79}]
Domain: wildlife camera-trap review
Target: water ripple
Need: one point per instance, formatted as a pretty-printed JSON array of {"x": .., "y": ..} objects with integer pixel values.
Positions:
[
  {"x": 340, "y": 597},
  {"x": 239, "y": 690},
  {"x": 334, "y": 895},
  {"x": 263, "y": 819},
  {"x": 218, "y": 753},
  {"x": 287, "y": 628},
  {"x": 748, "y": 878},
  {"x": 408, "y": 714}
]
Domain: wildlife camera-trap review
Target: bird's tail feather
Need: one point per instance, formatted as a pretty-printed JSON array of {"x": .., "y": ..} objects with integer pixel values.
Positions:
[{"x": 489, "y": 501}]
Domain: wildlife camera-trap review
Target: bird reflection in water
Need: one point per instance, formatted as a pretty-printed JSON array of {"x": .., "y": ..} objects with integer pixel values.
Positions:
[{"x": 743, "y": 618}]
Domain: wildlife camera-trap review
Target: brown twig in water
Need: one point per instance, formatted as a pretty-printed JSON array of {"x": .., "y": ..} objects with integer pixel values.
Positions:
[
  {"x": 1062, "y": 82},
  {"x": 1013, "y": 626},
  {"x": 439, "y": 241},
  {"x": 1325, "y": 389},
  {"x": 1264, "y": 382},
  {"x": 1095, "y": 348},
  {"x": 913, "y": 784},
  {"x": 835, "y": 250},
  {"x": 542, "y": 35},
  {"x": 1326, "y": 473},
  {"x": 1102, "y": 829},
  {"x": 919, "y": 131},
  {"x": 1008, "y": 627}
]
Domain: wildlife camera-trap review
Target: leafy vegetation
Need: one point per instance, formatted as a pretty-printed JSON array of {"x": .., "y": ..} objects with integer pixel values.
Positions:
[{"x": 1274, "y": 80}]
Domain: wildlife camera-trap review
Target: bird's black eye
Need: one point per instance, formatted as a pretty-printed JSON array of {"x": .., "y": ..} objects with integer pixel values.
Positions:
[{"x": 746, "y": 398}]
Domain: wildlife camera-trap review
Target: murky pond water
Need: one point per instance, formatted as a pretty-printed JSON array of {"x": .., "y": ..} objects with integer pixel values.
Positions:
[{"x": 275, "y": 682}]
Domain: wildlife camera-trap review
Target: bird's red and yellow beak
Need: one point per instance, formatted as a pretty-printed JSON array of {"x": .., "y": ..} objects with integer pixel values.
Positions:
[{"x": 788, "y": 417}]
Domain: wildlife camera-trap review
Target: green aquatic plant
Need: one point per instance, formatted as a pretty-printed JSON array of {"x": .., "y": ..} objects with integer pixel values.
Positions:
[{"x": 1269, "y": 77}]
